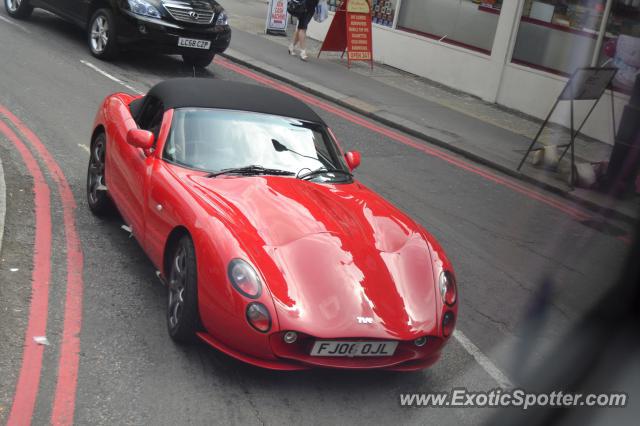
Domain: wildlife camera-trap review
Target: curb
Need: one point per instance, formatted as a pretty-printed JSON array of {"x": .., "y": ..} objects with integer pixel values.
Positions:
[
  {"x": 339, "y": 99},
  {"x": 3, "y": 203}
]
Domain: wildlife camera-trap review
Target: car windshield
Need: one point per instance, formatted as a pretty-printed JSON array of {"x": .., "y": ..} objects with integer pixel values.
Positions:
[{"x": 217, "y": 140}]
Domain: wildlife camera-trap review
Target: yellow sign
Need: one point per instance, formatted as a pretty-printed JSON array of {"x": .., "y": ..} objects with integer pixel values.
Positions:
[{"x": 358, "y": 6}]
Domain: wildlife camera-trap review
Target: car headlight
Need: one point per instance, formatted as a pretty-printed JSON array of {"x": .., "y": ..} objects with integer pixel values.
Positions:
[
  {"x": 448, "y": 323},
  {"x": 244, "y": 278},
  {"x": 258, "y": 316},
  {"x": 448, "y": 289},
  {"x": 223, "y": 19},
  {"x": 141, "y": 7}
]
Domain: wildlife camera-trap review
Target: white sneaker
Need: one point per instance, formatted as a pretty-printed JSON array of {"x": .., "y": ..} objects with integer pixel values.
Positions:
[
  {"x": 303, "y": 55},
  {"x": 292, "y": 50}
]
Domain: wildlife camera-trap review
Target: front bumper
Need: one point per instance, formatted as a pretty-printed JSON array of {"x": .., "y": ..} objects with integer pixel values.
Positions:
[
  {"x": 407, "y": 356},
  {"x": 161, "y": 36},
  {"x": 296, "y": 356}
]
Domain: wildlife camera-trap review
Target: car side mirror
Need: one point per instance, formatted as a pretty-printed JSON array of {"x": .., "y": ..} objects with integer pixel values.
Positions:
[
  {"x": 353, "y": 159},
  {"x": 140, "y": 139}
]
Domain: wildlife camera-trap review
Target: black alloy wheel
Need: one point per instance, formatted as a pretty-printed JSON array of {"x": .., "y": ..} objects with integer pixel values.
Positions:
[
  {"x": 101, "y": 35},
  {"x": 182, "y": 305},
  {"x": 97, "y": 197}
]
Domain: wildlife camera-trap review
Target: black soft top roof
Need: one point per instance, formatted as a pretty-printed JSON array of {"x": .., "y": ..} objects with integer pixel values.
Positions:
[{"x": 214, "y": 93}]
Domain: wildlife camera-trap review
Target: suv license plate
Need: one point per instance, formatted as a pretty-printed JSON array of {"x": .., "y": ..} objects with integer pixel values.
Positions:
[{"x": 194, "y": 43}]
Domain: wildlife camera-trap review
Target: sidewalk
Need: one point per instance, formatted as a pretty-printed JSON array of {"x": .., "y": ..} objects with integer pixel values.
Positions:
[{"x": 486, "y": 133}]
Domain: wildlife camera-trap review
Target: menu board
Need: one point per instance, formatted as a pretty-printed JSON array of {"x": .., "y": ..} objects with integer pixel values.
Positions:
[
  {"x": 351, "y": 32},
  {"x": 359, "y": 36}
]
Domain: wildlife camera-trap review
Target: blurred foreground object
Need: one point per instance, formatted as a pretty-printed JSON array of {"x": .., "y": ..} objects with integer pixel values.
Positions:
[{"x": 625, "y": 156}]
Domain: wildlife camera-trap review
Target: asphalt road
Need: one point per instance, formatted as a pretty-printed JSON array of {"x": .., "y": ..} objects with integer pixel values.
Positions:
[{"x": 503, "y": 242}]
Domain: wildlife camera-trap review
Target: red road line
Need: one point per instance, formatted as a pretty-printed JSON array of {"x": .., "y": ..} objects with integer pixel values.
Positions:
[
  {"x": 65, "y": 394},
  {"x": 574, "y": 212},
  {"x": 29, "y": 379}
]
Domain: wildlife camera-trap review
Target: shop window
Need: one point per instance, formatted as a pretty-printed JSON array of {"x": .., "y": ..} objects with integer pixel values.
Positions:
[
  {"x": 468, "y": 23},
  {"x": 333, "y": 4},
  {"x": 621, "y": 46},
  {"x": 382, "y": 11},
  {"x": 558, "y": 36}
]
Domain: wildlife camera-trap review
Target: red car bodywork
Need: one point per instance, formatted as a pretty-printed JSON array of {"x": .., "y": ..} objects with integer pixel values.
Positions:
[{"x": 326, "y": 253}]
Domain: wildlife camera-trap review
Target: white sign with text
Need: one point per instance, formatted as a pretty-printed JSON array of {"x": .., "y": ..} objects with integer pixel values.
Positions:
[{"x": 277, "y": 16}]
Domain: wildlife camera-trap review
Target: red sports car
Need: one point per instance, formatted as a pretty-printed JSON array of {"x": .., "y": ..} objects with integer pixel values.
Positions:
[{"x": 272, "y": 252}]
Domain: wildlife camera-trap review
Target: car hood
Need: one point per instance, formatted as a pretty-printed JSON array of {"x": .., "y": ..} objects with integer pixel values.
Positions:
[{"x": 339, "y": 260}]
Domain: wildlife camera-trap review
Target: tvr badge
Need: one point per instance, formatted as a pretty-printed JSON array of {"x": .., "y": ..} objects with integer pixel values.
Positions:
[{"x": 364, "y": 320}]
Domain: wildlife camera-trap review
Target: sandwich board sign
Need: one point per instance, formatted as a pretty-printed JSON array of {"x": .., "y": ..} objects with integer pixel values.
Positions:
[
  {"x": 585, "y": 84},
  {"x": 277, "y": 17},
  {"x": 350, "y": 32}
]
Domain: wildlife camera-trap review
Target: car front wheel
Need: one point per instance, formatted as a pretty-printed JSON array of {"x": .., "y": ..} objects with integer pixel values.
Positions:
[
  {"x": 97, "y": 197},
  {"x": 182, "y": 306},
  {"x": 198, "y": 61},
  {"x": 102, "y": 35},
  {"x": 19, "y": 9}
]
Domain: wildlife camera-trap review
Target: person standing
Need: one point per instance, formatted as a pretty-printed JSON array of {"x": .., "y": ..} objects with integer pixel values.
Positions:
[{"x": 300, "y": 35}]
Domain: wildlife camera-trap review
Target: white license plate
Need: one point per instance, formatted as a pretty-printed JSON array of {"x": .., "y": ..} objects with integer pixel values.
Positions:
[
  {"x": 194, "y": 43},
  {"x": 353, "y": 349}
]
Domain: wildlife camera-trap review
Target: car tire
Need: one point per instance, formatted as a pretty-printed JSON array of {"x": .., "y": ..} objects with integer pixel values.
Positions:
[
  {"x": 97, "y": 197},
  {"x": 198, "y": 61},
  {"x": 183, "y": 318},
  {"x": 102, "y": 35},
  {"x": 19, "y": 9}
]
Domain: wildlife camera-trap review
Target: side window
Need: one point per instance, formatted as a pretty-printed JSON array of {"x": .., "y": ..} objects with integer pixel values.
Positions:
[{"x": 150, "y": 117}]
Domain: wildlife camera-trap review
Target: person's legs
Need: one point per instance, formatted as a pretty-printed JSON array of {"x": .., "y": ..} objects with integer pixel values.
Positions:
[
  {"x": 292, "y": 46},
  {"x": 302, "y": 37},
  {"x": 302, "y": 33}
]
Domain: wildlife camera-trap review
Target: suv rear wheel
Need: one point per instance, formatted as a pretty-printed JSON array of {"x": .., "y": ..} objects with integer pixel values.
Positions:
[
  {"x": 101, "y": 34},
  {"x": 19, "y": 9}
]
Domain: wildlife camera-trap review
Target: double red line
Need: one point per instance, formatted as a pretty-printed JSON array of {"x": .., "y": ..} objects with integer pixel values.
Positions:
[{"x": 29, "y": 378}]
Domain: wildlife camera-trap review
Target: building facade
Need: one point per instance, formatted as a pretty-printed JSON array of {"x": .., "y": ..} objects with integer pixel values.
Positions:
[{"x": 517, "y": 53}]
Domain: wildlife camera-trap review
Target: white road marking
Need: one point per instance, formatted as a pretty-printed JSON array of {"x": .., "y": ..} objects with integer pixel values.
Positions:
[
  {"x": 15, "y": 24},
  {"x": 483, "y": 360},
  {"x": 110, "y": 77},
  {"x": 83, "y": 146}
]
